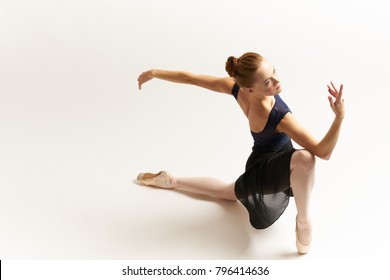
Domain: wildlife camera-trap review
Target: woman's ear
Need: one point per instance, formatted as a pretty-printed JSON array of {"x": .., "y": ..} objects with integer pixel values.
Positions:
[{"x": 248, "y": 90}]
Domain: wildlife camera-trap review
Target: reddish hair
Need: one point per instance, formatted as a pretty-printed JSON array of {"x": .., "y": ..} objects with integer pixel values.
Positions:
[{"x": 243, "y": 69}]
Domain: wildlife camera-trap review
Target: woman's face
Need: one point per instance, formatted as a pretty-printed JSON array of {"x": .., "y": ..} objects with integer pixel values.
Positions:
[{"x": 267, "y": 80}]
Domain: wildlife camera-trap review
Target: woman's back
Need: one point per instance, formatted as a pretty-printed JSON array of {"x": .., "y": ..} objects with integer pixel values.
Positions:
[{"x": 264, "y": 116}]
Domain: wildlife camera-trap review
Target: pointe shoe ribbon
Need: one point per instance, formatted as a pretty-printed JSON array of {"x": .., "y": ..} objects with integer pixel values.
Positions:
[{"x": 162, "y": 179}]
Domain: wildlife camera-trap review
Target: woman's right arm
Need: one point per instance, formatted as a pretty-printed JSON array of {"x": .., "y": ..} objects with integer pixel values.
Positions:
[{"x": 217, "y": 84}]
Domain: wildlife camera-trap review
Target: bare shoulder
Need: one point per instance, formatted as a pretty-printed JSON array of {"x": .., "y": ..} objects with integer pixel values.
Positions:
[
  {"x": 229, "y": 84},
  {"x": 217, "y": 84}
]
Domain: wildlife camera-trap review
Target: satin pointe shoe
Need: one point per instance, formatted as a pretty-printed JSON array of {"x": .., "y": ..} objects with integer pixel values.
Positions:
[
  {"x": 302, "y": 249},
  {"x": 162, "y": 179}
]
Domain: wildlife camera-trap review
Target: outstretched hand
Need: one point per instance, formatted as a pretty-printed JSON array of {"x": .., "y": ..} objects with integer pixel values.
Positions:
[
  {"x": 336, "y": 100},
  {"x": 143, "y": 78}
]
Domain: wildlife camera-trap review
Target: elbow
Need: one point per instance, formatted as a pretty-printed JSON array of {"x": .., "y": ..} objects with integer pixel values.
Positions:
[
  {"x": 324, "y": 155},
  {"x": 322, "y": 152},
  {"x": 189, "y": 78},
  {"x": 327, "y": 157}
]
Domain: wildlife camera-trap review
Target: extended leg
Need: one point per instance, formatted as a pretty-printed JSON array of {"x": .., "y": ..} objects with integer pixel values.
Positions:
[
  {"x": 200, "y": 185},
  {"x": 207, "y": 186}
]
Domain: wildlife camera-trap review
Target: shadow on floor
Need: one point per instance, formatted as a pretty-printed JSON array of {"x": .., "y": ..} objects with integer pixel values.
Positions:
[{"x": 220, "y": 234}]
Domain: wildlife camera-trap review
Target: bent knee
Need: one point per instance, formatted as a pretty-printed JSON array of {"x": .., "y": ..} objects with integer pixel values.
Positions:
[{"x": 303, "y": 159}]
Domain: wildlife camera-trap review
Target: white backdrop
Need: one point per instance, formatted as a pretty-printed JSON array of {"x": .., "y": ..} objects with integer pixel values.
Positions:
[{"x": 75, "y": 131}]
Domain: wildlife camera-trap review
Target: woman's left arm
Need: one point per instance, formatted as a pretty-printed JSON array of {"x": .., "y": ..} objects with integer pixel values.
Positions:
[
  {"x": 324, "y": 148},
  {"x": 217, "y": 84}
]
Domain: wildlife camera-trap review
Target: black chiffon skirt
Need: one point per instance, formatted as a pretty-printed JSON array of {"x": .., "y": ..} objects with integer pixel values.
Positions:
[{"x": 264, "y": 188}]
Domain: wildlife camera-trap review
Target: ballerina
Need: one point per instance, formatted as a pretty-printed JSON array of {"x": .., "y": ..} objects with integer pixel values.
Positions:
[{"x": 275, "y": 170}]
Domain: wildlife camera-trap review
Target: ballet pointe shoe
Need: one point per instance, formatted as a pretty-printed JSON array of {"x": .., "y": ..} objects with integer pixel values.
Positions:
[
  {"x": 302, "y": 249},
  {"x": 162, "y": 179}
]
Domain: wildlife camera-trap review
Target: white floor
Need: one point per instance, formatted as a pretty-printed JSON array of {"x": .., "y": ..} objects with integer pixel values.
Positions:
[
  {"x": 68, "y": 192},
  {"x": 75, "y": 132}
]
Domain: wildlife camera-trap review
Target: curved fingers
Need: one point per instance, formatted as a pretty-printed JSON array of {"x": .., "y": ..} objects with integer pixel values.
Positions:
[{"x": 336, "y": 93}]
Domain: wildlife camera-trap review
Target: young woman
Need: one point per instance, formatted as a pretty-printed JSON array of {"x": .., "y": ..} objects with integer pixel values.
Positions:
[{"x": 275, "y": 170}]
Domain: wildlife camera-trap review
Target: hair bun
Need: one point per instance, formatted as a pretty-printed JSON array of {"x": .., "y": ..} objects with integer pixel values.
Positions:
[{"x": 231, "y": 66}]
